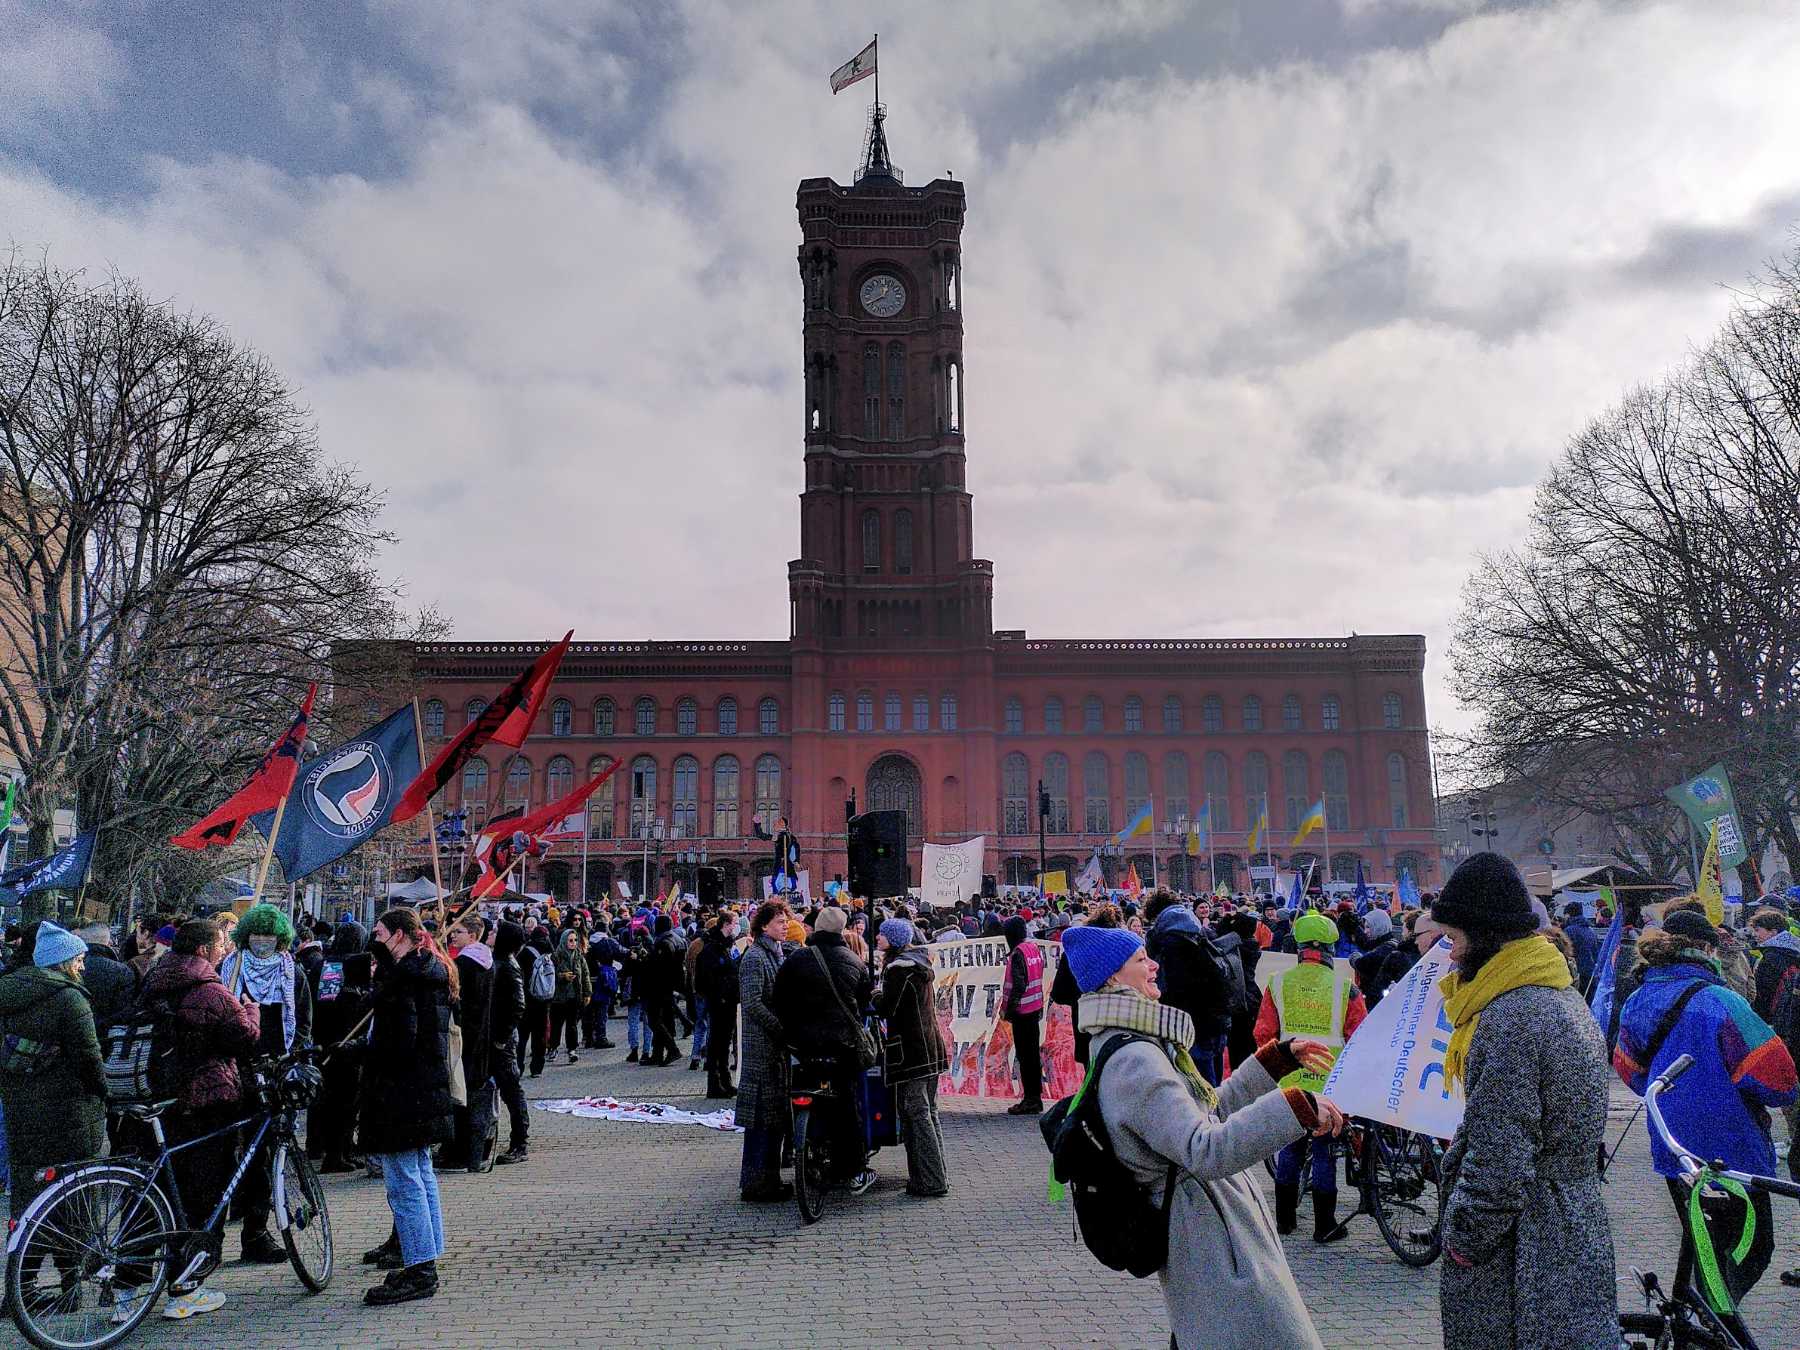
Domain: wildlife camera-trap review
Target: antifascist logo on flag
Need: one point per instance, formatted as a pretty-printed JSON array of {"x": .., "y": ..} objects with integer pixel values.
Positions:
[{"x": 345, "y": 795}]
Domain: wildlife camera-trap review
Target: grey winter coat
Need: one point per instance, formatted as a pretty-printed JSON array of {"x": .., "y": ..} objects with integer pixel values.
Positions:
[
  {"x": 1227, "y": 1281},
  {"x": 1522, "y": 1201},
  {"x": 762, "y": 1101}
]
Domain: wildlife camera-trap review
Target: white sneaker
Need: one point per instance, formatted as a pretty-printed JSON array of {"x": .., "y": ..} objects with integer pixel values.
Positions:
[
  {"x": 192, "y": 1305},
  {"x": 125, "y": 1305}
]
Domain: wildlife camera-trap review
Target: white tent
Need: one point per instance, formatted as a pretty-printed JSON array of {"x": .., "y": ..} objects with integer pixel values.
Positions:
[{"x": 423, "y": 888}]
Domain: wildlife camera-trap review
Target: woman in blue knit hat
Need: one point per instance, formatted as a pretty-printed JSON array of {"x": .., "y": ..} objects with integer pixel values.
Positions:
[{"x": 1227, "y": 1280}]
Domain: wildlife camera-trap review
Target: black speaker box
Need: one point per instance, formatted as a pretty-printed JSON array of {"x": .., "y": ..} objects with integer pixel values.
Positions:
[{"x": 878, "y": 854}]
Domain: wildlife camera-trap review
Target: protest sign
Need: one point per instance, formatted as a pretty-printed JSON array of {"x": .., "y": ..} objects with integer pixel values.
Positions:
[
  {"x": 950, "y": 873},
  {"x": 1707, "y": 797},
  {"x": 646, "y": 1113},
  {"x": 969, "y": 975},
  {"x": 1392, "y": 1070}
]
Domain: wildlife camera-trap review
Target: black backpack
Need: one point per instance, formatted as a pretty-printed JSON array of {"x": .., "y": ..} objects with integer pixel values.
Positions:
[
  {"x": 1120, "y": 1222},
  {"x": 138, "y": 1055}
]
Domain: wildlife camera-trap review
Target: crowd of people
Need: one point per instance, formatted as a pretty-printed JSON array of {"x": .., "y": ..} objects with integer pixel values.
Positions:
[{"x": 435, "y": 1018}]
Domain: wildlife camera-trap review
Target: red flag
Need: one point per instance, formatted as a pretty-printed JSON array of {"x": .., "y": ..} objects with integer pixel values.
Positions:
[
  {"x": 533, "y": 824},
  {"x": 505, "y": 721},
  {"x": 267, "y": 788}
]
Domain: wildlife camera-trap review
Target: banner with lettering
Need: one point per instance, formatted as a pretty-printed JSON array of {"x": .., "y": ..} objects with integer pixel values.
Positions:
[
  {"x": 951, "y": 873},
  {"x": 1392, "y": 1070},
  {"x": 982, "y": 1062}
]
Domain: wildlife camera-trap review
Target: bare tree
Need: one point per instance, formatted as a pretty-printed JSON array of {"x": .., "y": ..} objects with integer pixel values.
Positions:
[
  {"x": 1649, "y": 623},
  {"x": 176, "y": 559}
]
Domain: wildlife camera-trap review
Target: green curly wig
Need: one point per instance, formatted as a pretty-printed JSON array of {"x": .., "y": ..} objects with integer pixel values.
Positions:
[{"x": 263, "y": 921}]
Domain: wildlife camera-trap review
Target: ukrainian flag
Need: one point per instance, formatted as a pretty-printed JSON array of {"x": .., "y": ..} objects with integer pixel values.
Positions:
[
  {"x": 1315, "y": 820},
  {"x": 1257, "y": 832},
  {"x": 1141, "y": 823},
  {"x": 1198, "y": 829}
]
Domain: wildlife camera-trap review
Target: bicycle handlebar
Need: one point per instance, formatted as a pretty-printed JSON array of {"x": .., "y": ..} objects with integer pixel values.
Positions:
[{"x": 1691, "y": 1166}]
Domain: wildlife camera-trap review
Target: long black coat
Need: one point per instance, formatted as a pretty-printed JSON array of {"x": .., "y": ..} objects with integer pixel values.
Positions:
[
  {"x": 915, "y": 1042},
  {"x": 506, "y": 1006},
  {"x": 812, "y": 1017},
  {"x": 112, "y": 986},
  {"x": 406, "y": 1070},
  {"x": 475, "y": 1016}
]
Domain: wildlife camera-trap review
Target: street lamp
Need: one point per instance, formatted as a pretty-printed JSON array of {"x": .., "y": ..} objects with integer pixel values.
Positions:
[{"x": 1482, "y": 825}]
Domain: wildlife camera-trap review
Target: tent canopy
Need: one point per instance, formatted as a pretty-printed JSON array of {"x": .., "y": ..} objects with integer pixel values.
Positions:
[
  {"x": 420, "y": 888},
  {"x": 1546, "y": 883}
]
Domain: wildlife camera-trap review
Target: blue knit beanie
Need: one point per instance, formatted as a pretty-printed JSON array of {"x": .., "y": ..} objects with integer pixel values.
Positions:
[
  {"x": 56, "y": 945},
  {"x": 898, "y": 932},
  {"x": 1095, "y": 955}
]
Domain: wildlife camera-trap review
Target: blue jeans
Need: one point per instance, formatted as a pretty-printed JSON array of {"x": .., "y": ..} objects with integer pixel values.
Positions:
[
  {"x": 1209, "y": 1058},
  {"x": 637, "y": 1027},
  {"x": 702, "y": 1021},
  {"x": 1287, "y": 1163},
  {"x": 412, "y": 1194}
]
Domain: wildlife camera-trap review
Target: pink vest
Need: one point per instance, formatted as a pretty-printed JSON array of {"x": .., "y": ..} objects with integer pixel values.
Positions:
[{"x": 1031, "y": 998}]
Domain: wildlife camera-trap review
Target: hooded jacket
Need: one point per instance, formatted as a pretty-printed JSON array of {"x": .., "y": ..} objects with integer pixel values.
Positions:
[
  {"x": 915, "y": 1043},
  {"x": 213, "y": 1030},
  {"x": 112, "y": 986},
  {"x": 507, "y": 1006},
  {"x": 574, "y": 982},
  {"x": 1185, "y": 971},
  {"x": 406, "y": 1072},
  {"x": 475, "y": 1010},
  {"x": 59, "y": 1111},
  {"x": 1778, "y": 964}
]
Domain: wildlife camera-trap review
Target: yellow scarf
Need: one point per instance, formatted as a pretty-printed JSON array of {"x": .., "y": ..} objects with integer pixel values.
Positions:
[{"x": 1526, "y": 961}]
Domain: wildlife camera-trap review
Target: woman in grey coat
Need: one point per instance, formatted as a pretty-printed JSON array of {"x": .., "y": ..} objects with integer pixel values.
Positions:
[
  {"x": 762, "y": 1100},
  {"x": 1227, "y": 1280},
  {"x": 1528, "y": 1254}
]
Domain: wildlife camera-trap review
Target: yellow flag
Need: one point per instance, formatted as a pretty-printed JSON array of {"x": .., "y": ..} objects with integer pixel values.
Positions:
[
  {"x": 1055, "y": 883},
  {"x": 1711, "y": 889},
  {"x": 1256, "y": 833}
]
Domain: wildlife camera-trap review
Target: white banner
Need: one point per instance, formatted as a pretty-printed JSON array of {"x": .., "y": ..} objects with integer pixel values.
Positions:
[
  {"x": 649, "y": 1113},
  {"x": 1392, "y": 1071},
  {"x": 952, "y": 872},
  {"x": 802, "y": 887}
]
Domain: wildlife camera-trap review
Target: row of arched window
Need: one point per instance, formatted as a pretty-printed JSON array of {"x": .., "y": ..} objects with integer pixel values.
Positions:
[
  {"x": 1231, "y": 805},
  {"x": 679, "y": 806},
  {"x": 1204, "y": 872},
  {"x": 901, "y": 527},
  {"x": 1055, "y": 718},
  {"x": 893, "y": 712},
  {"x": 646, "y": 717}
]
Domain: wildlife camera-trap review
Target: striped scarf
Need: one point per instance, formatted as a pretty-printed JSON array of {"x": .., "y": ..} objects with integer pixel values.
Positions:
[{"x": 1128, "y": 1010}]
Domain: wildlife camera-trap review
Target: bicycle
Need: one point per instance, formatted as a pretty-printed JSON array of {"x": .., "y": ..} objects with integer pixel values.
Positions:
[
  {"x": 1396, "y": 1174},
  {"x": 814, "y": 1097},
  {"x": 87, "y": 1260},
  {"x": 1700, "y": 1311}
]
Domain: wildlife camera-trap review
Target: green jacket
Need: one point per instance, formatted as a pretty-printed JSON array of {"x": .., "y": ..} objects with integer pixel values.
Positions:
[
  {"x": 574, "y": 982},
  {"x": 66, "y": 1099}
]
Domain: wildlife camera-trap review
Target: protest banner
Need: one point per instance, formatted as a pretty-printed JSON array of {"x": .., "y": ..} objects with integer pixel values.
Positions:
[
  {"x": 969, "y": 975},
  {"x": 1055, "y": 883},
  {"x": 1392, "y": 1070},
  {"x": 1706, "y": 798},
  {"x": 950, "y": 873},
  {"x": 644, "y": 1113}
]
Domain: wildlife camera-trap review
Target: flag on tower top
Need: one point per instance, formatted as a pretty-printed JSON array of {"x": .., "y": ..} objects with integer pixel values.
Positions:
[{"x": 858, "y": 67}]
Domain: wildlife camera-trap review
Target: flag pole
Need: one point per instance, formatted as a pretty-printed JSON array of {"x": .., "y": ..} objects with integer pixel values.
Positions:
[
  {"x": 262, "y": 873},
  {"x": 437, "y": 875},
  {"x": 1325, "y": 824},
  {"x": 1212, "y": 868},
  {"x": 1154, "y": 884}
]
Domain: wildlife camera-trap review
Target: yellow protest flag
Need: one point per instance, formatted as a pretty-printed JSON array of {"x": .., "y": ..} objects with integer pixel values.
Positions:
[
  {"x": 1055, "y": 883},
  {"x": 1711, "y": 889}
]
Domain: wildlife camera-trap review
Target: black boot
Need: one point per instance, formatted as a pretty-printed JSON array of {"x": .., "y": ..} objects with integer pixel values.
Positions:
[
  {"x": 1326, "y": 1227},
  {"x": 386, "y": 1256},
  {"x": 261, "y": 1249},
  {"x": 1287, "y": 1207},
  {"x": 403, "y": 1286},
  {"x": 632, "y": 1058}
]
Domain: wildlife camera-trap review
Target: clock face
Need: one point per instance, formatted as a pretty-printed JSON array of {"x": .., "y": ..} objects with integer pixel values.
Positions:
[{"x": 883, "y": 295}]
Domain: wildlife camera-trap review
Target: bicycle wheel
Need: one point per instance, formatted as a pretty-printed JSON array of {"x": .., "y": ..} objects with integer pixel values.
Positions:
[
  {"x": 304, "y": 1219},
  {"x": 810, "y": 1167},
  {"x": 1403, "y": 1192},
  {"x": 89, "y": 1259}
]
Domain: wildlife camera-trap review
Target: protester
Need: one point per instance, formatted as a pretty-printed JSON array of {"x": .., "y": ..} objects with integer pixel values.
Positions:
[
  {"x": 603, "y": 955},
  {"x": 716, "y": 991},
  {"x": 112, "y": 986},
  {"x": 346, "y": 984},
  {"x": 406, "y": 1107},
  {"x": 1719, "y": 1108},
  {"x": 1584, "y": 940},
  {"x": 819, "y": 997},
  {"x": 1777, "y": 1001},
  {"x": 636, "y": 963},
  {"x": 1189, "y": 970},
  {"x": 1241, "y": 1041},
  {"x": 907, "y": 1004},
  {"x": 664, "y": 971},
  {"x": 1227, "y": 1280},
  {"x": 1370, "y": 964},
  {"x": 534, "y": 1031},
  {"x": 476, "y": 1132},
  {"x": 762, "y": 1102},
  {"x": 506, "y": 1013},
  {"x": 574, "y": 987},
  {"x": 1022, "y": 1007},
  {"x": 1522, "y": 1206}
]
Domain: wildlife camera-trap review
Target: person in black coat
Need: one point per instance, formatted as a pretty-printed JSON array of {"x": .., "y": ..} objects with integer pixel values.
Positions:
[
  {"x": 346, "y": 984},
  {"x": 664, "y": 974},
  {"x": 534, "y": 1030},
  {"x": 716, "y": 981},
  {"x": 820, "y": 996},
  {"x": 475, "y": 1132},
  {"x": 112, "y": 986},
  {"x": 506, "y": 1010},
  {"x": 406, "y": 1106}
]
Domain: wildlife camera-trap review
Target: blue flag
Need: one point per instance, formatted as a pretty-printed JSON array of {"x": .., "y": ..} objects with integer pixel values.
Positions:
[
  {"x": 1294, "y": 896},
  {"x": 344, "y": 796},
  {"x": 1409, "y": 890},
  {"x": 1362, "y": 890},
  {"x": 1606, "y": 970},
  {"x": 61, "y": 871}
]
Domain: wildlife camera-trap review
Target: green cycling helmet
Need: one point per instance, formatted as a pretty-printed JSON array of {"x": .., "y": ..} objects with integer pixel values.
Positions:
[{"x": 1314, "y": 929}]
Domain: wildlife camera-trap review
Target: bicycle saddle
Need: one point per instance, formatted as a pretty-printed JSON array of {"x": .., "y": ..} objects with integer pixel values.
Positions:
[{"x": 146, "y": 1110}]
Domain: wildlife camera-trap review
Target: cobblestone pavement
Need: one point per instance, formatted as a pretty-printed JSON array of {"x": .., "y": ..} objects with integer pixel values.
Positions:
[{"x": 624, "y": 1234}]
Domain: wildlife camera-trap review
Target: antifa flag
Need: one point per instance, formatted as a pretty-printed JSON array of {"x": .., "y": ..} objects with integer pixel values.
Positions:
[
  {"x": 273, "y": 779},
  {"x": 61, "y": 871},
  {"x": 505, "y": 721},
  {"x": 345, "y": 795},
  {"x": 531, "y": 825}
]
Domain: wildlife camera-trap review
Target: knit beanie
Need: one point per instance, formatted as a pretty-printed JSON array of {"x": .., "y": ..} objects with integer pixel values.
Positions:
[
  {"x": 1015, "y": 930},
  {"x": 898, "y": 932},
  {"x": 55, "y": 945},
  {"x": 1095, "y": 955},
  {"x": 831, "y": 920},
  {"x": 1684, "y": 924},
  {"x": 1486, "y": 895}
]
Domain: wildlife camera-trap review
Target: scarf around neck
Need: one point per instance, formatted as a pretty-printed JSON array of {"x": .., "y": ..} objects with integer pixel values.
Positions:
[
  {"x": 1522, "y": 962},
  {"x": 270, "y": 980},
  {"x": 1116, "y": 1008}
]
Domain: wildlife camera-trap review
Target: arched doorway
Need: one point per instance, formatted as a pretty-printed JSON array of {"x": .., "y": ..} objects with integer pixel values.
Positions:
[{"x": 893, "y": 785}]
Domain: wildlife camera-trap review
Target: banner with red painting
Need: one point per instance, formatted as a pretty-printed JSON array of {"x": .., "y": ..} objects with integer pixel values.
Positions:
[{"x": 982, "y": 1062}]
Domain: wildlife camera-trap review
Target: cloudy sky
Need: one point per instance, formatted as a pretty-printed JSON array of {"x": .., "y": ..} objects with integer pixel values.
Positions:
[{"x": 1276, "y": 309}]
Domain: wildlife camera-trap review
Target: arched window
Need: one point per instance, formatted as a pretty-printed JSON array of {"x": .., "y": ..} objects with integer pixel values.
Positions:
[
  {"x": 1256, "y": 787},
  {"x": 1015, "y": 792},
  {"x": 727, "y": 716},
  {"x": 1396, "y": 769},
  {"x": 687, "y": 717},
  {"x": 892, "y": 712},
  {"x": 518, "y": 782},
  {"x": 1096, "y": 792},
  {"x": 1215, "y": 772},
  {"x": 434, "y": 720},
  {"x": 1410, "y": 864},
  {"x": 644, "y": 717},
  {"x": 893, "y": 785},
  {"x": 1171, "y": 715},
  {"x": 896, "y": 391},
  {"x": 1175, "y": 785},
  {"x": 1056, "y": 783},
  {"x": 684, "y": 797},
  {"x": 1252, "y": 713},
  {"x": 768, "y": 789},
  {"x": 1336, "y": 771},
  {"x": 871, "y": 541},
  {"x": 1290, "y": 713},
  {"x": 1296, "y": 786},
  {"x": 1343, "y": 866},
  {"x": 834, "y": 712},
  {"x": 1093, "y": 714},
  {"x": 768, "y": 717},
  {"x": 865, "y": 711},
  {"x": 903, "y": 542},
  {"x": 1137, "y": 783},
  {"x": 562, "y": 718},
  {"x": 953, "y": 394},
  {"x": 475, "y": 783},
  {"x": 643, "y": 795},
  {"x": 1390, "y": 711},
  {"x": 1014, "y": 723},
  {"x": 1134, "y": 714},
  {"x": 725, "y": 797},
  {"x": 559, "y": 778},
  {"x": 1328, "y": 712},
  {"x": 1053, "y": 715},
  {"x": 872, "y": 391},
  {"x": 600, "y": 805},
  {"x": 947, "y": 713},
  {"x": 603, "y": 717},
  {"x": 921, "y": 712},
  {"x": 476, "y": 707},
  {"x": 1212, "y": 714}
]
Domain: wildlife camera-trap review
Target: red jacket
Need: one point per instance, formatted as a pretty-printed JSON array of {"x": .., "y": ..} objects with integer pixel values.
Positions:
[{"x": 213, "y": 1030}]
